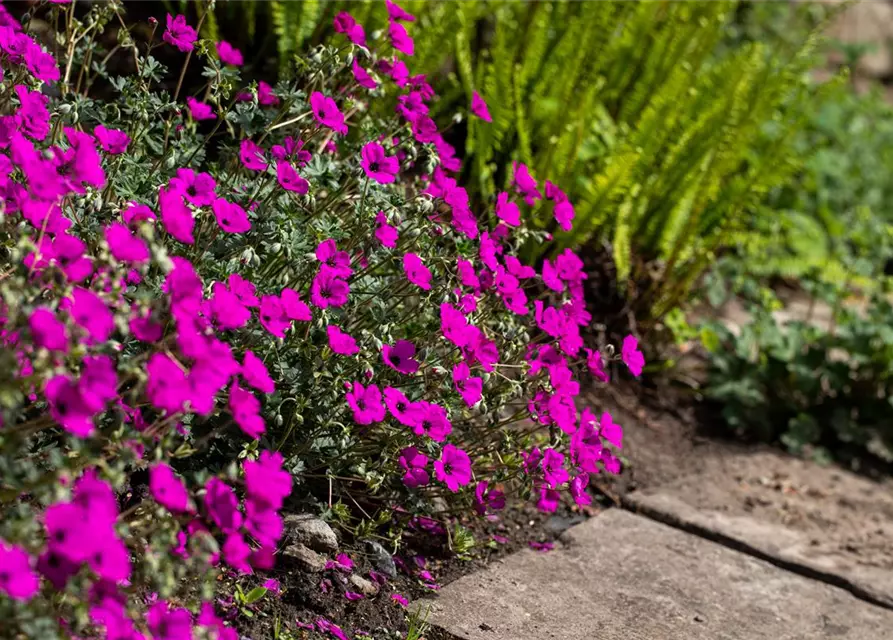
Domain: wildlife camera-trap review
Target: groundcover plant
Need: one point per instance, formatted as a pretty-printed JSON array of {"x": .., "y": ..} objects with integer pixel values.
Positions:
[{"x": 217, "y": 305}]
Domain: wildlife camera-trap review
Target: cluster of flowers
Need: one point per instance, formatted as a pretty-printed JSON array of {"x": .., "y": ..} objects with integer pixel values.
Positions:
[{"x": 140, "y": 307}]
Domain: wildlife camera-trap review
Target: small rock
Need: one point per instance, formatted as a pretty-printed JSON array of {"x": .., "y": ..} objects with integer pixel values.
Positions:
[
  {"x": 381, "y": 559},
  {"x": 310, "y": 531},
  {"x": 364, "y": 586},
  {"x": 439, "y": 504},
  {"x": 306, "y": 558}
]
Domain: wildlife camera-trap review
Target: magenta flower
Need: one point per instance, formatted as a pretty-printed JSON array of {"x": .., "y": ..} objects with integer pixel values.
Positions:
[
  {"x": 175, "y": 215},
  {"x": 168, "y": 489},
  {"x": 453, "y": 468},
  {"x": 578, "y": 489},
  {"x": 416, "y": 272},
  {"x": 429, "y": 419},
  {"x": 386, "y": 234},
  {"x": 400, "y": 39},
  {"x": 632, "y": 356},
  {"x": 413, "y": 463},
  {"x": 167, "y": 386},
  {"x": 365, "y": 403},
  {"x": 226, "y": 309},
  {"x": 487, "y": 500},
  {"x": 124, "y": 246},
  {"x": 98, "y": 383},
  {"x": 341, "y": 342},
  {"x": 200, "y": 110},
  {"x": 198, "y": 188},
  {"x": 293, "y": 306},
  {"x": 222, "y": 505},
  {"x": 252, "y": 155},
  {"x": 18, "y": 579},
  {"x": 345, "y": 23},
  {"x": 246, "y": 411},
  {"x": 400, "y": 600},
  {"x": 136, "y": 213},
  {"x": 230, "y": 217},
  {"x": 395, "y": 12},
  {"x": 525, "y": 184},
  {"x": 90, "y": 312},
  {"x": 265, "y": 480},
  {"x": 469, "y": 387},
  {"x": 47, "y": 331},
  {"x": 336, "y": 261},
  {"x": 167, "y": 623},
  {"x": 236, "y": 553},
  {"x": 41, "y": 64},
  {"x": 272, "y": 316},
  {"x": 265, "y": 95},
  {"x": 113, "y": 141},
  {"x": 553, "y": 468},
  {"x": 377, "y": 165},
  {"x": 507, "y": 211},
  {"x": 399, "y": 406},
  {"x": 32, "y": 117},
  {"x": 326, "y": 112},
  {"x": 255, "y": 373},
  {"x": 479, "y": 107},
  {"x": 549, "y": 500},
  {"x": 328, "y": 289},
  {"x": 596, "y": 364},
  {"x": 289, "y": 179},
  {"x": 179, "y": 34},
  {"x": 362, "y": 76},
  {"x": 400, "y": 357},
  {"x": 229, "y": 54},
  {"x": 244, "y": 290},
  {"x": 68, "y": 529},
  {"x": 610, "y": 430}
]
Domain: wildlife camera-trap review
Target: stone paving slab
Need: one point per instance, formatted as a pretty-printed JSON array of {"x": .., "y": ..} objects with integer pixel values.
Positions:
[
  {"x": 620, "y": 576},
  {"x": 786, "y": 546}
]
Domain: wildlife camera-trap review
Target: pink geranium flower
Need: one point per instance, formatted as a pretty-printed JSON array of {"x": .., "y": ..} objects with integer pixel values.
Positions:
[
  {"x": 113, "y": 141},
  {"x": 338, "y": 262},
  {"x": 326, "y": 112},
  {"x": 453, "y": 468},
  {"x": 47, "y": 331},
  {"x": 377, "y": 165},
  {"x": 365, "y": 403},
  {"x": 429, "y": 419},
  {"x": 400, "y": 39},
  {"x": 632, "y": 356},
  {"x": 385, "y": 233},
  {"x": 252, "y": 156},
  {"x": 179, "y": 34},
  {"x": 553, "y": 468},
  {"x": 200, "y": 110},
  {"x": 289, "y": 179},
  {"x": 610, "y": 430},
  {"x": 230, "y": 217},
  {"x": 229, "y": 54},
  {"x": 362, "y": 76},
  {"x": 345, "y": 23},
  {"x": 222, "y": 505},
  {"x": 413, "y": 463},
  {"x": 397, "y": 12},
  {"x": 328, "y": 289},
  {"x": 255, "y": 373},
  {"x": 479, "y": 107},
  {"x": 265, "y": 95},
  {"x": 124, "y": 246},
  {"x": 416, "y": 271},
  {"x": 399, "y": 406},
  {"x": 168, "y": 489},
  {"x": 400, "y": 357},
  {"x": 468, "y": 386},
  {"x": 18, "y": 580},
  {"x": 341, "y": 342}
]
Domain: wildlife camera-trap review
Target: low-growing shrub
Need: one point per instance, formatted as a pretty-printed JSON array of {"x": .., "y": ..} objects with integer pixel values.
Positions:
[{"x": 218, "y": 305}]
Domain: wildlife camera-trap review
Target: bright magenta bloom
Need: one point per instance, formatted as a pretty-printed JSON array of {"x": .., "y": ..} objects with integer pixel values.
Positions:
[
  {"x": 365, "y": 403},
  {"x": 252, "y": 156},
  {"x": 610, "y": 430},
  {"x": 175, "y": 215},
  {"x": 17, "y": 577},
  {"x": 340, "y": 342},
  {"x": 397, "y": 12},
  {"x": 326, "y": 112},
  {"x": 265, "y": 95},
  {"x": 399, "y": 406},
  {"x": 386, "y": 234},
  {"x": 377, "y": 165},
  {"x": 222, "y": 505},
  {"x": 453, "y": 468},
  {"x": 328, "y": 289},
  {"x": 231, "y": 217},
  {"x": 413, "y": 463},
  {"x": 362, "y": 76},
  {"x": 429, "y": 419},
  {"x": 124, "y": 246},
  {"x": 468, "y": 386},
  {"x": 229, "y": 54},
  {"x": 255, "y": 373},
  {"x": 416, "y": 272},
  {"x": 632, "y": 357},
  {"x": 337, "y": 261},
  {"x": 112, "y": 141},
  {"x": 507, "y": 211},
  {"x": 400, "y": 357},
  {"x": 553, "y": 468},
  {"x": 400, "y": 39},
  {"x": 479, "y": 107},
  {"x": 345, "y": 23},
  {"x": 167, "y": 488},
  {"x": 179, "y": 34},
  {"x": 289, "y": 179},
  {"x": 200, "y": 110},
  {"x": 47, "y": 331}
]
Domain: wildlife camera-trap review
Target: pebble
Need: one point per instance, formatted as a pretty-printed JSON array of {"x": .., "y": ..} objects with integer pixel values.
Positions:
[
  {"x": 381, "y": 559},
  {"x": 306, "y": 558},
  {"x": 311, "y": 532}
]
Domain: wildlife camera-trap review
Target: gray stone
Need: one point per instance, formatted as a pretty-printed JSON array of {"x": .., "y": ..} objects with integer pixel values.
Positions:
[
  {"x": 786, "y": 546},
  {"x": 381, "y": 559},
  {"x": 620, "y": 576},
  {"x": 366, "y": 587},
  {"x": 305, "y": 558},
  {"x": 311, "y": 532}
]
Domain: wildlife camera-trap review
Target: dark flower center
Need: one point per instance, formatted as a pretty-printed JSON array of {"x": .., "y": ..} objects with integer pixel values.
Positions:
[
  {"x": 373, "y": 166},
  {"x": 401, "y": 407}
]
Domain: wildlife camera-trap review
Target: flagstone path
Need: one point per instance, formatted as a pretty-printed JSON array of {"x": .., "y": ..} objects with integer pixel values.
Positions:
[{"x": 708, "y": 541}]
